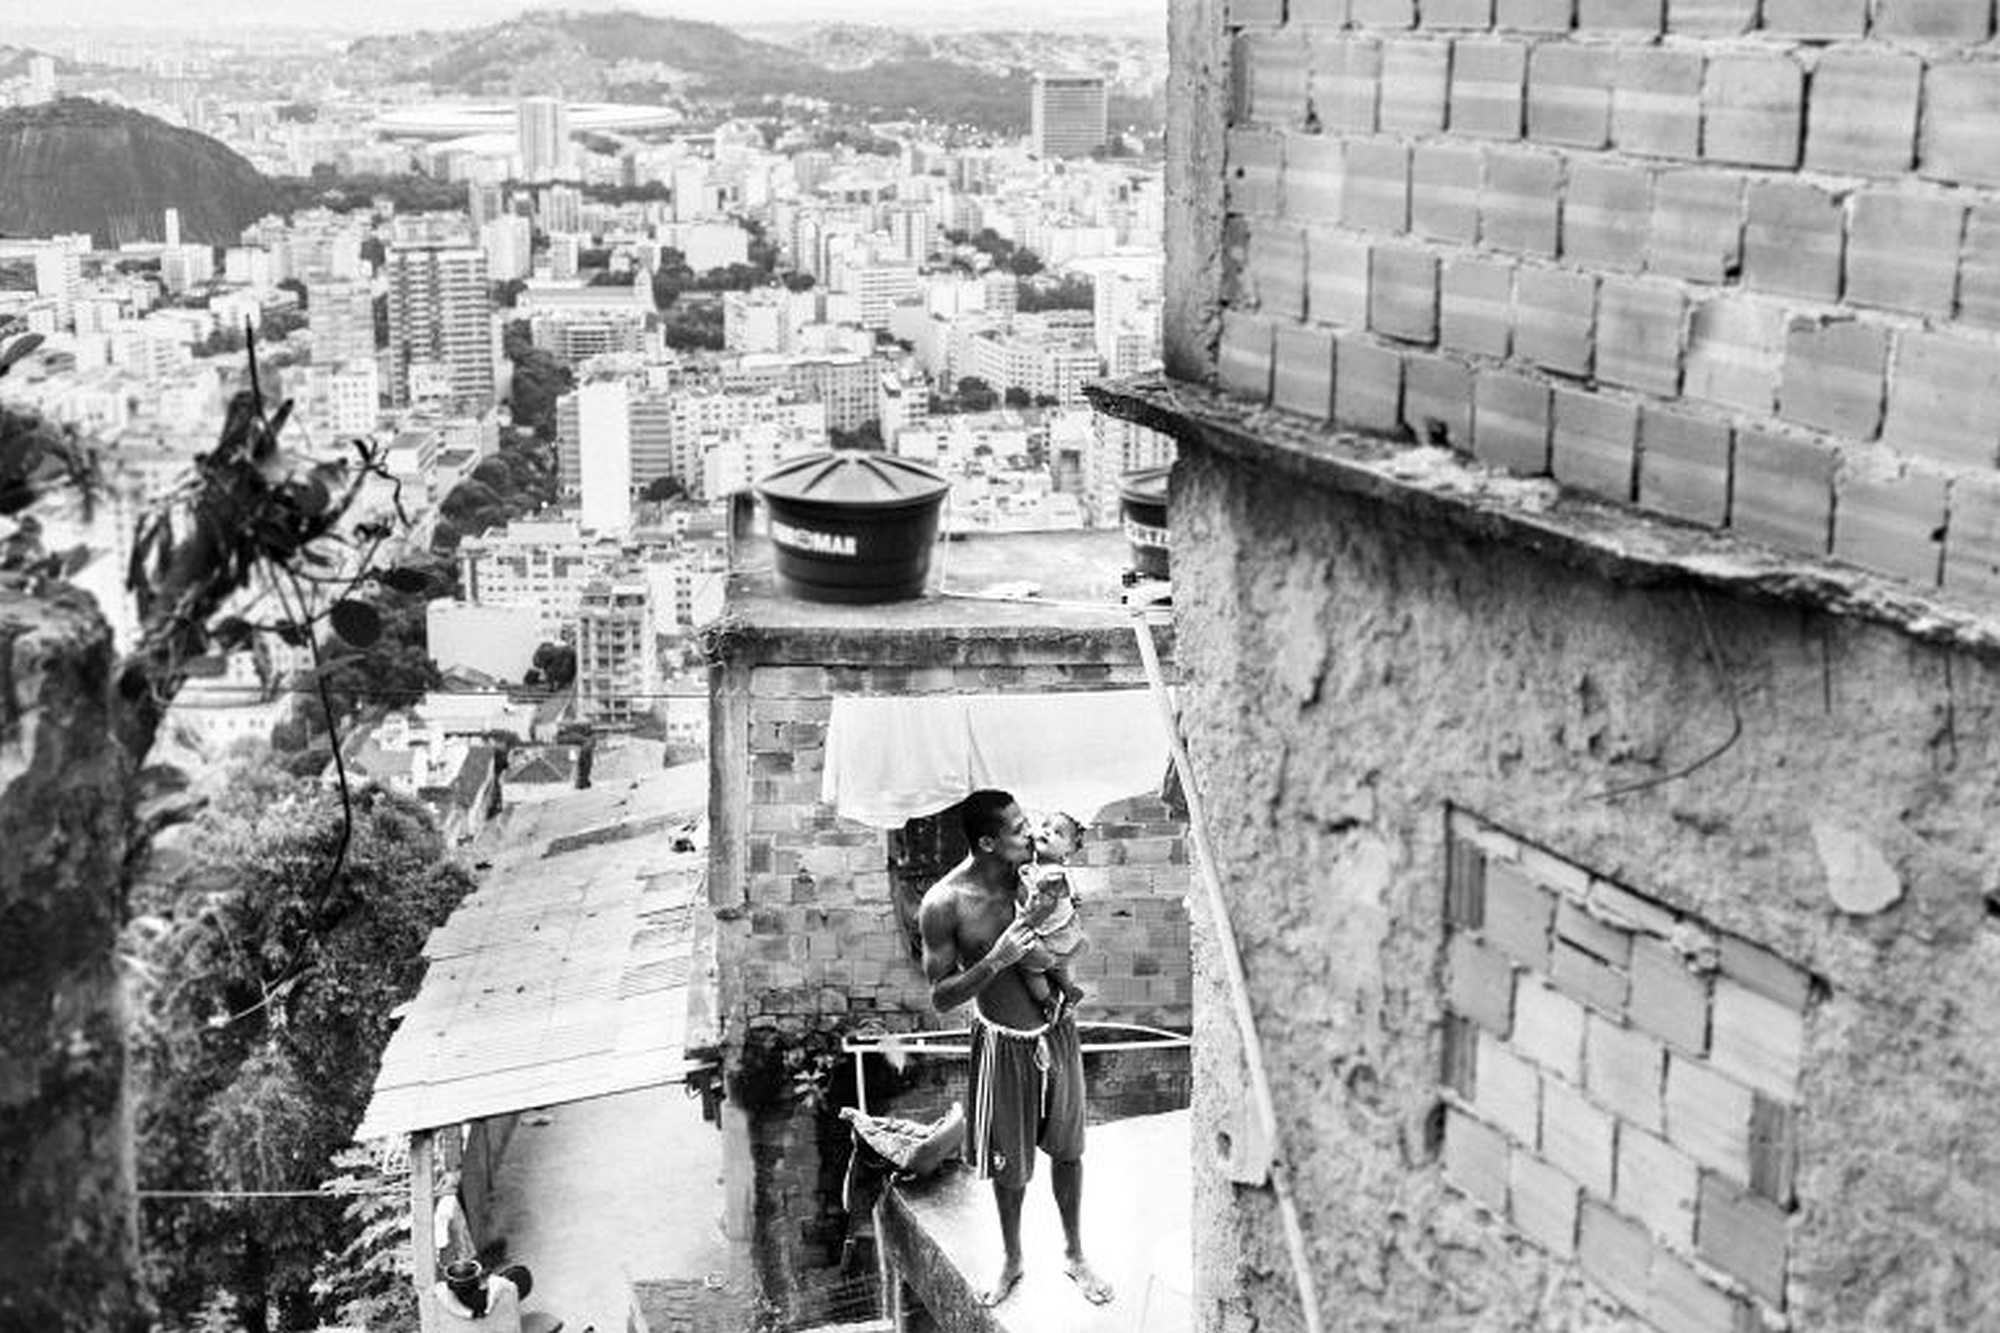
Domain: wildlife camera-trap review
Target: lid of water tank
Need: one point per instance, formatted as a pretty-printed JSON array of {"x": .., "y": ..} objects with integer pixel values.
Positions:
[{"x": 853, "y": 478}]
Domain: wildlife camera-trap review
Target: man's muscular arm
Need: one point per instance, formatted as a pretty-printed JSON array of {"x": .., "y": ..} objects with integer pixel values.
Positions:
[{"x": 954, "y": 982}]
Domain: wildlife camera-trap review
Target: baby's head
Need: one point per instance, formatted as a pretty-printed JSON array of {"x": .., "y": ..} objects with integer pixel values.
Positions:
[{"x": 1056, "y": 837}]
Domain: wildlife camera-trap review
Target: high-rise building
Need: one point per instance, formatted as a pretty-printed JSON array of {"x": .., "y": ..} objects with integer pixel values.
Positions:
[
  {"x": 604, "y": 455},
  {"x": 341, "y": 316},
  {"x": 337, "y": 401},
  {"x": 173, "y": 227},
  {"x": 508, "y": 246},
  {"x": 574, "y": 336},
  {"x": 541, "y": 126},
  {"x": 1068, "y": 115},
  {"x": 911, "y": 231},
  {"x": 617, "y": 667},
  {"x": 876, "y": 286},
  {"x": 59, "y": 275},
  {"x": 559, "y": 209},
  {"x": 185, "y": 266},
  {"x": 440, "y": 317},
  {"x": 483, "y": 201}
]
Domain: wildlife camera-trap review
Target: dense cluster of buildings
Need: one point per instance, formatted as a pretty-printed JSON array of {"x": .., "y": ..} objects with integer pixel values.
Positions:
[{"x": 943, "y": 302}]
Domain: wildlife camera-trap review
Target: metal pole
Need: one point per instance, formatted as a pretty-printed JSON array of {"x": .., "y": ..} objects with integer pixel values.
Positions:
[
  {"x": 423, "y": 1255},
  {"x": 1239, "y": 985}
]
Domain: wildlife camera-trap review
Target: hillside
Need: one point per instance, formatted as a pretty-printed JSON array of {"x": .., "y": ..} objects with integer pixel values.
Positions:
[
  {"x": 980, "y": 79},
  {"x": 75, "y": 165}
]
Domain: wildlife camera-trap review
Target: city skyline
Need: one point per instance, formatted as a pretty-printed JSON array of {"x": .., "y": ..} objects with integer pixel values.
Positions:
[{"x": 230, "y": 18}]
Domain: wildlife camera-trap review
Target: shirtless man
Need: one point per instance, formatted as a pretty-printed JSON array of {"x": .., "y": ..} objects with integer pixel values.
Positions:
[{"x": 1026, "y": 1087}]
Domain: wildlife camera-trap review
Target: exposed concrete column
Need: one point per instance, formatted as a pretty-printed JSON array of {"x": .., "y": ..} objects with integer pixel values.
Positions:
[
  {"x": 1198, "y": 92},
  {"x": 728, "y": 784}
]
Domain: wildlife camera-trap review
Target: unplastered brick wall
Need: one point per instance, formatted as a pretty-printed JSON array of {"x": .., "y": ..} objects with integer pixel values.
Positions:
[
  {"x": 1623, "y": 1083},
  {"x": 819, "y": 942},
  {"x": 1735, "y": 261}
]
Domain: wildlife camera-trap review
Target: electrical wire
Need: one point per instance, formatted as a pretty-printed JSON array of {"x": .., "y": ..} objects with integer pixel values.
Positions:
[
  {"x": 1735, "y": 716},
  {"x": 266, "y": 1194}
]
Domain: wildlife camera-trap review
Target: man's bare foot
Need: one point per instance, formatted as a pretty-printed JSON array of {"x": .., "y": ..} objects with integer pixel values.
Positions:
[
  {"x": 1095, "y": 1289},
  {"x": 1003, "y": 1286}
]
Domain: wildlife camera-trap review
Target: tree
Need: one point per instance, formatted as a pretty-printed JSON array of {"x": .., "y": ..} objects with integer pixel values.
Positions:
[
  {"x": 254, "y": 512},
  {"x": 694, "y": 326},
  {"x": 1024, "y": 263},
  {"x": 280, "y": 324},
  {"x": 539, "y": 379},
  {"x": 867, "y": 435},
  {"x": 1016, "y": 397},
  {"x": 976, "y": 395},
  {"x": 662, "y": 489},
  {"x": 557, "y": 664},
  {"x": 268, "y": 985},
  {"x": 1072, "y": 291}
]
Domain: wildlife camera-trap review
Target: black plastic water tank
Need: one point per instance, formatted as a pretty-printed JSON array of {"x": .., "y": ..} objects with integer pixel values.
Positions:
[
  {"x": 849, "y": 525},
  {"x": 1142, "y": 505}
]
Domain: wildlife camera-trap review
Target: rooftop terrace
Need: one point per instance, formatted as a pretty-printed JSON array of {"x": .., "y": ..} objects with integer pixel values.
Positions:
[
  {"x": 1023, "y": 587},
  {"x": 943, "y": 1237}
]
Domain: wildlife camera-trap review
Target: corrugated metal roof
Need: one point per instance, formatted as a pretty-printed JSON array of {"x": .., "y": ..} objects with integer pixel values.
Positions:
[{"x": 563, "y": 978}]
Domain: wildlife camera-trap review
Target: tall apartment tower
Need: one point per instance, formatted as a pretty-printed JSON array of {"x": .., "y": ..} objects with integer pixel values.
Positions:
[
  {"x": 483, "y": 201},
  {"x": 440, "y": 322},
  {"x": 341, "y": 316},
  {"x": 1068, "y": 116},
  {"x": 542, "y": 127}
]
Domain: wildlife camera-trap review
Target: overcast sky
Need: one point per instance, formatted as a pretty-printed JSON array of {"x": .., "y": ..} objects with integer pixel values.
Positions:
[{"x": 398, "y": 15}]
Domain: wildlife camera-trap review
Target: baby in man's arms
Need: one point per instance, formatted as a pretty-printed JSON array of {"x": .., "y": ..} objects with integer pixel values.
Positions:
[{"x": 1045, "y": 902}]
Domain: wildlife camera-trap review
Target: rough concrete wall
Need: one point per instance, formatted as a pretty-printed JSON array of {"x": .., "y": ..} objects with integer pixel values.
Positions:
[
  {"x": 1732, "y": 262},
  {"x": 1351, "y": 675},
  {"x": 66, "y": 1221}
]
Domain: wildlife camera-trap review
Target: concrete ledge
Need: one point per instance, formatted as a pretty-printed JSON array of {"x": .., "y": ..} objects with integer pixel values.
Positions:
[
  {"x": 973, "y": 611},
  {"x": 942, "y": 1237},
  {"x": 1616, "y": 542}
]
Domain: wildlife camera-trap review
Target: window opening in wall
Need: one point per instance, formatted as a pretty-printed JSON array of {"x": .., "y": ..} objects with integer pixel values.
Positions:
[
  {"x": 1621, "y": 1081},
  {"x": 920, "y": 853}
]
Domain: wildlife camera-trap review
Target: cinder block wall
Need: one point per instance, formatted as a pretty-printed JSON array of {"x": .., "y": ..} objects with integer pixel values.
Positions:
[
  {"x": 820, "y": 942},
  {"x": 809, "y": 939},
  {"x": 1617, "y": 952},
  {"x": 1736, "y": 261}
]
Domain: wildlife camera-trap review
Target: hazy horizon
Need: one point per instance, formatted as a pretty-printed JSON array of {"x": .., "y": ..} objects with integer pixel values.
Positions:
[{"x": 222, "y": 18}]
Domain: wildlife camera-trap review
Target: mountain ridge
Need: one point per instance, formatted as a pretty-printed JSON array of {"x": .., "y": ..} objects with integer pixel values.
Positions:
[
  {"x": 75, "y": 165},
  {"x": 975, "y": 77}
]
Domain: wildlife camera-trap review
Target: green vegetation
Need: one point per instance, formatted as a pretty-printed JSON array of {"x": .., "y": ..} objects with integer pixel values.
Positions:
[
  {"x": 263, "y": 1006},
  {"x": 1021, "y": 262},
  {"x": 365, "y": 682},
  {"x": 327, "y": 188},
  {"x": 518, "y": 481},
  {"x": 974, "y": 395},
  {"x": 539, "y": 380},
  {"x": 554, "y": 665},
  {"x": 867, "y": 435},
  {"x": 1070, "y": 291}
]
